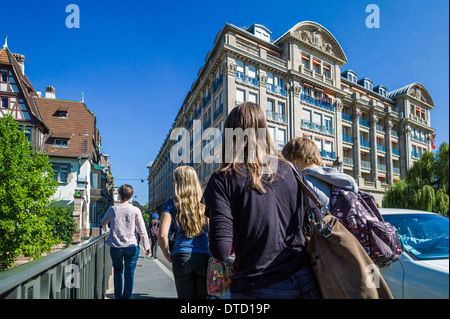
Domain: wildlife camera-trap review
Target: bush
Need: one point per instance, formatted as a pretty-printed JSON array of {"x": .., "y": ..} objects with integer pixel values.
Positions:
[{"x": 61, "y": 221}]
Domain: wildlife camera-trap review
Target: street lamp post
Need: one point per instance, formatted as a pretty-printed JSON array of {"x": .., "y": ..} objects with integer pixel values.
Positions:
[{"x": 338, "y": 164}]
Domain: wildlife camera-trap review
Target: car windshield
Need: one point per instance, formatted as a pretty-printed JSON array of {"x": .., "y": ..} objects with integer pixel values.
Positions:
[{"x": 424, "y": 236}]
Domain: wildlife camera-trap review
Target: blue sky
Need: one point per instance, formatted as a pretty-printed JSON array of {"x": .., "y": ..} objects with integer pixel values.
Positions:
[{"x": 136, "y": 60}]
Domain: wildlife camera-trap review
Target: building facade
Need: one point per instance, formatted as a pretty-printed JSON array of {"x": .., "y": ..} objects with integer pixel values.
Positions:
[
  {"x": 67, "y": 132},
  {"x": 299, "y": 82},
  {"x": 16, "y": 97},
  {"x": 74, "y": 149}
]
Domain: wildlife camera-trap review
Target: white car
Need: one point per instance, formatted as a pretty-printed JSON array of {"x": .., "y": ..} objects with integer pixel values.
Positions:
[{"x": 422, "y": 270}]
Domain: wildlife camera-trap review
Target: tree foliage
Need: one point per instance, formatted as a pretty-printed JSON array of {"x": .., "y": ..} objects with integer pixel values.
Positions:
[
  {"x": 61, "y": 221},
  {"x": 26, "y": 184},
  {"x": 425, "y": 186}
]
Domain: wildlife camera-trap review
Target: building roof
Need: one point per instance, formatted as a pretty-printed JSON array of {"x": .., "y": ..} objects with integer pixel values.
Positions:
[
  {"x": 26, "y": 88},
  {"x": 416, "y": 90},
  {"x": 398, "y": 92},
  {"x": 79, "y": 127}
]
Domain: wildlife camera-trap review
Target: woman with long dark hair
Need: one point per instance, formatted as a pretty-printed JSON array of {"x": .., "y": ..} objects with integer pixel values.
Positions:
[{"x": 255, "y": 206}]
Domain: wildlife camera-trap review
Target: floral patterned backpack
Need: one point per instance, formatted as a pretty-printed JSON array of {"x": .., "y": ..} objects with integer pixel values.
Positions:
[{"x": 218, "y": 278}]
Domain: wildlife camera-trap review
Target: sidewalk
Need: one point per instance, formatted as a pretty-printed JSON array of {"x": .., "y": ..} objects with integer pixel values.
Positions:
[{"x": 153, "y": 279}]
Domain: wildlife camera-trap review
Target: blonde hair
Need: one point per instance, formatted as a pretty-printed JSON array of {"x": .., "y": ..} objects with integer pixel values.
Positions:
[
  {"x": 303, "y": 149},
  {"x": 188, "y": 193}
]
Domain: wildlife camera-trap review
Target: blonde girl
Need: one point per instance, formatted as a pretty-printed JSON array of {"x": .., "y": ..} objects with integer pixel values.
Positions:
[{"x": 185, "y": 215}]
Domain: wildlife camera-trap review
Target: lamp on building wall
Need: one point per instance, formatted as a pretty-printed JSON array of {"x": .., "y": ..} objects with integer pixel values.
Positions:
[{"x": 337, "y": 164}]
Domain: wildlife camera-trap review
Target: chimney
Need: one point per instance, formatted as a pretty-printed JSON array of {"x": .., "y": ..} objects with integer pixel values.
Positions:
[
  {"x": 20, "y": 58},
  {"x": 50, "y": 92}
]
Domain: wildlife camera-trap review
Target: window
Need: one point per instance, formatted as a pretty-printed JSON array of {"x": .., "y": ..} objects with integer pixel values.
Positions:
[
  {"x": 4, "y": 77},
  {"x": 281, "y": 138},
  {"x": 280, "y": 108},
  {"x": 251, "y": 71},
  {"x": 271, "y": 132},
  {"x": 252, "y": 97},
  {"x": 279, "y": 81},
  {"x": 316, "y": 67},
  {"x": 328, "y": 121},
  {"x": 95, "y": 181},
  {"x": 62, "y": 115},
  {"x": 317, "y": 118},
  {"x": 328, "y": 146},
  {"x": 269, "y": 78},
  {"x": 61, "y": 172},
  {"x": 270, "y": 105},
  {"x": 305, "y": 61},
  {"x": 240, "y": 66},
  {"x": 327, "y": 70},
  {"x": 61, "y": 142},
  {"x": 319, "y": 143},
  {"x": 368, "y": 85},
  {"x": 307, "y": 90},
  {"x": 4, "y": 102},
  {"x": 306, "y": 115},
  {"x": 240, "y": 96},
  {"x": 318, "y": 94}
]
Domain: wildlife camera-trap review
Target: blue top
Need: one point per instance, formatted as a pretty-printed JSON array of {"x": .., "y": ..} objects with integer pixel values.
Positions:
[{"x": 183, "y": 244}]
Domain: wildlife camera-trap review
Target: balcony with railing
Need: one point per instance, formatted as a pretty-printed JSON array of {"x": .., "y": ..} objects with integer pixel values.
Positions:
[
  {"x": 328, "y": 154},
  {"x": 241, "y": 77},
  {"x": 347, "y": 117},
  {"x": 197, "y": 113},
  {"x": 394, "y": 133},
  {"x": 364, "y": 123},
  {"x": 206, "y": 100},
  {"x": 395, "y": 152},
  {"x": 365, "y": 164},
  {"x": 317, "y": 127},
  {"x": 347, "y": 161},
  {"x": 218, "y": 111},
  {"x": 418, "y": 139},
  {"x": 365, "y": 143},
  {"x": 380, "y": 128},
  {"x": 217, "y": 84},
  {"x": 381, "y": 148},
  {"x": 275, "y": 116},
  {"x": 317, "y": 102},
  {"x": 276, "y": 89},
  {"x": 207, "y": 123},
  {"x": 347, "y": 138},
  {"x": 396, "y": 170},
  {"x": 381, "y": 168}
]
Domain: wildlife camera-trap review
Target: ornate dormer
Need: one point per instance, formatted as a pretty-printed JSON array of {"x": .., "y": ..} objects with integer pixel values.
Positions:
[{"x": 317, "y": 38}]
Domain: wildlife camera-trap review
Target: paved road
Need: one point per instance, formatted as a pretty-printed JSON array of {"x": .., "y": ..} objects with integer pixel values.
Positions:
[{"x": 153, "y": 279}]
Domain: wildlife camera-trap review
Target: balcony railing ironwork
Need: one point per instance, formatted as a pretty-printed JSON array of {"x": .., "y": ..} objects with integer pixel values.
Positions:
[
  {"x": 317, "y": 102},
  {"x": 317, "y": 127}
]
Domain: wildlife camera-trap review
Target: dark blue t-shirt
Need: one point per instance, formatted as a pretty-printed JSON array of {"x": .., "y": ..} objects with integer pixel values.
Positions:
[{"x": 183, "y": 244}]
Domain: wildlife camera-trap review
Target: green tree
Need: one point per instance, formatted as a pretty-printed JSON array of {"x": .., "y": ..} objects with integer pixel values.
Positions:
[
  {"x": 26, "y": 184},
  {"x": 425, "y": 186},
  {"x": 61, "y": 221}
]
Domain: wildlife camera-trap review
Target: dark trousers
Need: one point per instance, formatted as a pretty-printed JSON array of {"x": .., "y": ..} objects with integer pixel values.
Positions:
[
  {"x": 300, "y": 285},
  {"x": 154, "y": 241},
  {"x": 189, "y": 271}
]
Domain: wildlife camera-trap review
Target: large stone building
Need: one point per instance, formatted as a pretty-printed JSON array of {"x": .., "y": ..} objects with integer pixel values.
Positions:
[{"x": 299, "y": 82}]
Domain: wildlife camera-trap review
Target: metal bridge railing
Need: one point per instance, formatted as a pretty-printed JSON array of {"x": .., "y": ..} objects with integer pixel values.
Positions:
[{"x": 81, "y": 271}]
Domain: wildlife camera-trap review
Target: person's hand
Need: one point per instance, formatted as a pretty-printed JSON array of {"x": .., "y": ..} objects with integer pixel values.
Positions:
[{"x": 147, "y": 252}]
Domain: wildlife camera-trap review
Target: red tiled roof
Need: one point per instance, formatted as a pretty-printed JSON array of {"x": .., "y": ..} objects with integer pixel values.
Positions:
[{"x": 79, "y": 127}]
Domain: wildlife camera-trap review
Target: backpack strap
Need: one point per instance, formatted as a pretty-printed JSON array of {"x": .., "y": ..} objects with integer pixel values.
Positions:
[{"x": 309, "y": 193}]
